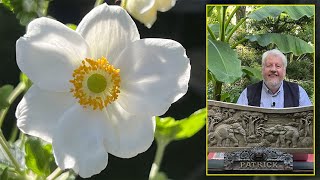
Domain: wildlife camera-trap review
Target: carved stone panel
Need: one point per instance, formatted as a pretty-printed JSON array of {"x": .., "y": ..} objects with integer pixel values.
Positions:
[
  {"x": 232, "y": 127},
  {"x": 258, "y": 158}
]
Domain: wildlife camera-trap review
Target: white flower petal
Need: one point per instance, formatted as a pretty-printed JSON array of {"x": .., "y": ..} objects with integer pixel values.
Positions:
[
  {"x": 165, "y": 5},
  {"x": 38, "y": 112},
  {"x": 78, "y": 141},
  {"x": 49, "y": 52},
  {"x": 144, "y": 11},
  {"x": 139, "y": 6},
  {"x": 135, "y": 133},
  {"x": 154, "y": 73},
  {"x": 107, "y": 30}
]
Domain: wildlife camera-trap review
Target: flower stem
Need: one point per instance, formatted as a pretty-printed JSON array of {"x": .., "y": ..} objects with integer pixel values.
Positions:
[
  {"x": 14, "y": 133},
  {"x": 98, "y": 2},
  {"x": 161, "y": 145},
  {"x": 56, "y": 173},
  {"x": 23, "y": 139},
  {"x": 15, "y": 93},
  {"x": 6, "y": 147}
]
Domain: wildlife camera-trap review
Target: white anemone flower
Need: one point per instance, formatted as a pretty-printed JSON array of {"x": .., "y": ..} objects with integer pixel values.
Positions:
[
  {"x": 145, "y": 11},
  {"x": 96, "y": 89}
]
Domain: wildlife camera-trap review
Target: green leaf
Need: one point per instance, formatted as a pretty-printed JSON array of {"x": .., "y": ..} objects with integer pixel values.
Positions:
[
  {"x": 286, "y": 43},
  {"x": 210, "y": 76},
  {"x": 5, "y": 92},
  {"x": 192, "y": 124},
  {"x": 160, "y": 176},
  {"x": 171, "y": 129},
  {"x": 223, "y": 62},
  {"x": 294, "y": 12},
  {"x": 209, "y": 10},
  {"x": 215, "y": 28},
  {"x": 39, "y": 156},
  {"x": 252, "y": 72},
  {"x": 72, "y": 26},
  {"x": 7, "y": 4},
  {"x": 4, "y": 175},
  {"x": 27, "y": 10},
  {"x": 225, "y": 97}
]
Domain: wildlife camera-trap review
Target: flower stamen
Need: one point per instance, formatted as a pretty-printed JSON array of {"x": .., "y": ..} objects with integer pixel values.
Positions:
[{"x": 95, "y": 83}]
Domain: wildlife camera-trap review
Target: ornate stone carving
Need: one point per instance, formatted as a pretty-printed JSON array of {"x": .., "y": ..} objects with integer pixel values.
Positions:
[
  {"x": 232, "y": 127},
  {"x": 258, "y": 158}
]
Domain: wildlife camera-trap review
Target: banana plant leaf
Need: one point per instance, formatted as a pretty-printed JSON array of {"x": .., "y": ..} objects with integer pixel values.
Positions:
[
  {"x": 294, "y": 12},
  {"x": 252, "y": 72},
  {"x": 286, "y": 43},
  {"x": 223, "y": 62},
  {"x": 215, "y": 28},
  {"x": 209, "y": 10}
]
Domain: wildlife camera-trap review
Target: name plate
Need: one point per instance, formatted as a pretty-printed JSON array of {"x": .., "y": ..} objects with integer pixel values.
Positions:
[{"x": 258, "y": 158}]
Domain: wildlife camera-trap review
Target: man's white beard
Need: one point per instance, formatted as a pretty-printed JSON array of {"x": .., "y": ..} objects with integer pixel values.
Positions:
[{"x": 273, "y": 84}]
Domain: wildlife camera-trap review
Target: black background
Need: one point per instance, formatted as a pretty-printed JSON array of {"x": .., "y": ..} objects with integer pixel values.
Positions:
[{"x": 185, "y": 23}]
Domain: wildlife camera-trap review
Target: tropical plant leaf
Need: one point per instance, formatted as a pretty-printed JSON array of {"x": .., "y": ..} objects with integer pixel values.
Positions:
[
  {"x": 294, "y": 12},
  {"x": 286, "y": 43},
  {"x": 215, "y": 28},
  {"x": 252, "y": 72},
  {"x": 210, "y": 77},
  {"x": 223, "y": 62},
  {"x": 209, "y": 10}
]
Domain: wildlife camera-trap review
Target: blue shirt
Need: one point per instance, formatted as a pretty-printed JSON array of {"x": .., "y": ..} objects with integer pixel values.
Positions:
[{"x": 276, "y": 100}]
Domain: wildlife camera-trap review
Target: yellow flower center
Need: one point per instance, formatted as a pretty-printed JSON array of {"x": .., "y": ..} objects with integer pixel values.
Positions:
[{"x": 95, "y": 83}]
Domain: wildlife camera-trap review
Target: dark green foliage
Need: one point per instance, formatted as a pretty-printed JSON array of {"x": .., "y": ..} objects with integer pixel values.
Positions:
[
  {"x": 4, "y": 175},
  {"x": 234, "y": 90},
  {"x": 27, "y": 10},
  {"x": 308, "y": 86},
  {"x": 300, "y": 70}
]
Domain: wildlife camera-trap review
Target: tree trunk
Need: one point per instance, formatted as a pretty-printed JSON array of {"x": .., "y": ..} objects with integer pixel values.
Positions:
[{"x": 240, "y": 13}]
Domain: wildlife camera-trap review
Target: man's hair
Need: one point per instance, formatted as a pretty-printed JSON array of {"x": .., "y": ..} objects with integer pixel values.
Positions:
[{"x": 274, "y": 52}]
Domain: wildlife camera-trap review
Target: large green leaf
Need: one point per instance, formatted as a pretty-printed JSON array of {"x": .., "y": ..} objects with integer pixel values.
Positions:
[
  {"x": 209, "y": 10},
  {"x": 285, "y": 43},
  {"x": 294, "y": 12},
  {"x": 215, "y": 28},
  {"x": 252, "y": 72},
  {"x": 223, "y": 62}
]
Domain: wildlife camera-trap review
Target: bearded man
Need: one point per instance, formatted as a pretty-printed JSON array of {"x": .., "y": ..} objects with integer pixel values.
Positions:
[{"x": 274, "y": 91}]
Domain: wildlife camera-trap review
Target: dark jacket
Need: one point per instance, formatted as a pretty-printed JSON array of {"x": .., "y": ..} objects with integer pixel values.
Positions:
[{"x": 291, "y": 94}]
